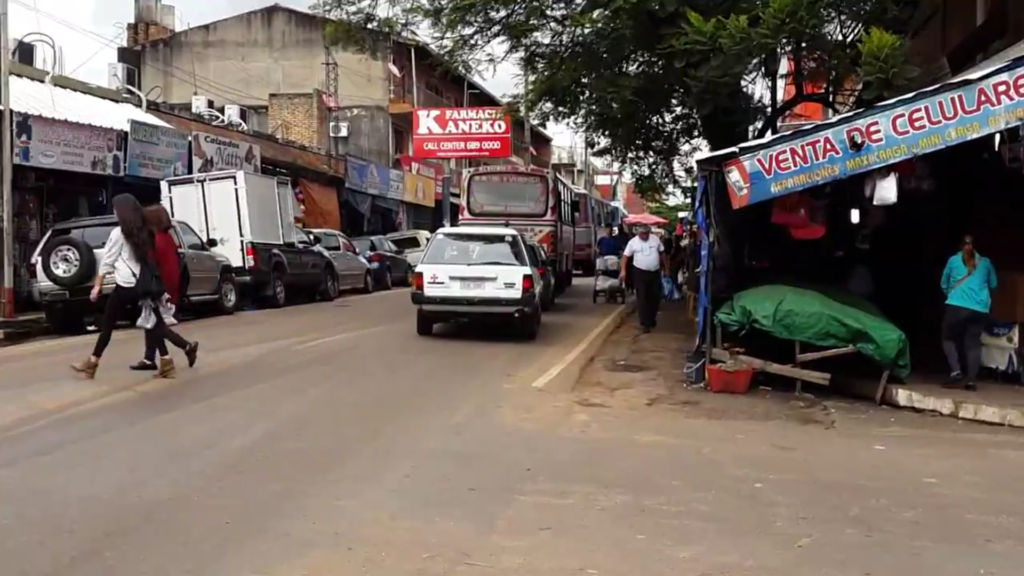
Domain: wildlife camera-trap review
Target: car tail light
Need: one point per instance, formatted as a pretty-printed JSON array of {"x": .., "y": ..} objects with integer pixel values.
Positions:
[
  {"x": 250, "y": 256},
  {"x": 542, "y": 270},
  {"x": 377, "y": 257},
  {"x": 417, "y": 282},
  {"x": 527, "y": 283}
]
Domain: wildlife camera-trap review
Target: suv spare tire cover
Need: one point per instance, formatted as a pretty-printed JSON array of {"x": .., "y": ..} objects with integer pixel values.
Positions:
[{"x": 86, "y": 269}]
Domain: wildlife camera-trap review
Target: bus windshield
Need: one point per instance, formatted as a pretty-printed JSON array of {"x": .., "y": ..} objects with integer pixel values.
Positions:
[{"x": 508, "y": 194}]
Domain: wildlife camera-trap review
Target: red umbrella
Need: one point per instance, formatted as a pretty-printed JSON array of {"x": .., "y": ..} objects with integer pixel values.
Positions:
[{"x": 648, "y": 219}]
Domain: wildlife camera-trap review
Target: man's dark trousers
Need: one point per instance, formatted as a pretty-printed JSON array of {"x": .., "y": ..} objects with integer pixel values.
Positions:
[{"x": 648, "y": 295}]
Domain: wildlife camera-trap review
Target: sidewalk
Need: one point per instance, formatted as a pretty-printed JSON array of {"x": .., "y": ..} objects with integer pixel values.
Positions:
[
  {"x": 22, "y": 327},
  {"x": 999, "y": 404},
  {"x": 633, "y": 370}
]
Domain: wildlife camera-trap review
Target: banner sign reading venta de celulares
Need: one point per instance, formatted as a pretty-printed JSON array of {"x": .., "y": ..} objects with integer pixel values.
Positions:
[{"x": 920, "y": 127}]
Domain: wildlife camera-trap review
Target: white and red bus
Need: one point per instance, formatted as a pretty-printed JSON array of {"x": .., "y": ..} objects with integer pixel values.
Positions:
[
  {"x": 593, "y": 216},
  {"x": 536, "y": 202}
]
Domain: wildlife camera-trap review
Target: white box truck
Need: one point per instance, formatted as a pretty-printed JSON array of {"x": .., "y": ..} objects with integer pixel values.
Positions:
[{"x": 249, "y": 219}]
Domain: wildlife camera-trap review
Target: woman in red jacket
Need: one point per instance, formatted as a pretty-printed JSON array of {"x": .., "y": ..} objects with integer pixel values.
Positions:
[{"x": 165, "y": 256}]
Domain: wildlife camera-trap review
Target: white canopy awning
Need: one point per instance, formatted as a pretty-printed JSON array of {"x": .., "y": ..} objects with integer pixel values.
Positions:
[{"x": 30, "y": 96}]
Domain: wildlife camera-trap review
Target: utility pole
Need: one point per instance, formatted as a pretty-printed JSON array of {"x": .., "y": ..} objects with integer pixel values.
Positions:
[
  {"x": 331, "y": 86},
  {"x": 7, "y": 296},
  {"x": 526, "y": 120},
  {"x": 586, "y": 163}
]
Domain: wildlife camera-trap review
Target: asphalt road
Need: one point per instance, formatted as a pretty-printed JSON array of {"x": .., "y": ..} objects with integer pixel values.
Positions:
[
  {"x": 299, "y": 430},
  {"x": 330, "y": 440}
]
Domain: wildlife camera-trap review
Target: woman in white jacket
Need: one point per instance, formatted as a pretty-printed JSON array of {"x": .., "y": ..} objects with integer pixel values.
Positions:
[{"x": 128, "y": 245}]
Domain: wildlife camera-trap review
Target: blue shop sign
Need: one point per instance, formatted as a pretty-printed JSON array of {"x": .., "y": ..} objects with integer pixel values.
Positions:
[
  {"x": 157, "y": 151},
  {"x": 876, "y": 140},
  {"x": 369, "y": 177}
]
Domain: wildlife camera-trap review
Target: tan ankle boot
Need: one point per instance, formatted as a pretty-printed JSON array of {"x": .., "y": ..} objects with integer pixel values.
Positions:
[
  {"x": 86, "y": 368},
  {"x": 166, "y": 369}
]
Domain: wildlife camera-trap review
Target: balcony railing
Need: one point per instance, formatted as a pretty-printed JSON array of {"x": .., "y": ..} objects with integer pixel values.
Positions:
[{"x": 402, "y": 99}]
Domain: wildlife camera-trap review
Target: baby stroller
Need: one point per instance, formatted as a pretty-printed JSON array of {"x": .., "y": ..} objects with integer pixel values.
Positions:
[{"x": 606, "y": 280}]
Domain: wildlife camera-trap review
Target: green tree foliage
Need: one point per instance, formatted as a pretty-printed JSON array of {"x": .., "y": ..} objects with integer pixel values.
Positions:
[{"x": 649, "y": 79}]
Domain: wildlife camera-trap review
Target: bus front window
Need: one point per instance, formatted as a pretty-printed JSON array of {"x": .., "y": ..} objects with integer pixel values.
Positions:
[{"x": 507, "y": 195}]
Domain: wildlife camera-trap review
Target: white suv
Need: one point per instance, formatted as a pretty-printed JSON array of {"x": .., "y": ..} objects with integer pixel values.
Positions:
[{"x": 477, "y": 273}]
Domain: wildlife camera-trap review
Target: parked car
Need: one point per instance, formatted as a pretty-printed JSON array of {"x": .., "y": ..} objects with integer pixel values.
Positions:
[
  {"x": 477, "y": 273},
  {"x": 538, "y": 259},
  {"x": 310, "y": 269},
  {"x": 353, "y": 270},
  {"x": 250, "y": 218},
  {"x": 66, "y": 260},
  {"x": 386, "y": 260},
  {"x": 413, "y": 242}
]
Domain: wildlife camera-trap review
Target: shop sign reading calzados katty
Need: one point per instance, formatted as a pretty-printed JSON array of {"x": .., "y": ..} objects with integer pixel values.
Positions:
[{"x": 212, "y": 153}]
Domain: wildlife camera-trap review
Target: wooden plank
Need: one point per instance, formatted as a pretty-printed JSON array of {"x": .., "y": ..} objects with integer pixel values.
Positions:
[
  {"x": 880, "y": 393},
  {"x": 823, "y": 354},
  {"x": 796, "y": 354},
  {"x": 822, "y": 378}
]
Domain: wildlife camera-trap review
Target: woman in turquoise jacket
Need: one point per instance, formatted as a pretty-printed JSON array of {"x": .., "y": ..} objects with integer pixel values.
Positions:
[{"x": 967, "y": 282}]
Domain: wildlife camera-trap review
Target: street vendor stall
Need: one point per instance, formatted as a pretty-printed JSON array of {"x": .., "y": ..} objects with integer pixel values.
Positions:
[{"x": 871, "y": 203}]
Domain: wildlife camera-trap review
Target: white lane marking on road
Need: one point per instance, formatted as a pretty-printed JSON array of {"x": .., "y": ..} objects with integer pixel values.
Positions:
[
  {"x": 550, "y": 374},
  {"x": 338, "y": 337}
]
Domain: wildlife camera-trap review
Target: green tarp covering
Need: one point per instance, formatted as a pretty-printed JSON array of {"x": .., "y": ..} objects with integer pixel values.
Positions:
[{"x": 821, "y": 318}]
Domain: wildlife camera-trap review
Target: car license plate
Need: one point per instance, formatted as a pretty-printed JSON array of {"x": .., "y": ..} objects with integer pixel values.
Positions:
[
  {"x": 472, "y": 285},
  {"x": 56, "y": 296}
]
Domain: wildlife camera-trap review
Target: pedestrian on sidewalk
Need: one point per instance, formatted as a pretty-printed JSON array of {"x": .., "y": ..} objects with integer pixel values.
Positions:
[
  {"x": 165, "y": 257},
  {"x": 126, "y": 255},
  {"x": 608, "y": 245},
  {"x": 967, "y": 282},
  {"x": 647, "y": 263}
]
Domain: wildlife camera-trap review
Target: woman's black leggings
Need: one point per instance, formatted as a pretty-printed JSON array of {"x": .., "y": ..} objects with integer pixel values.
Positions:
[
  {"x": 118, "y": 300},
  {"x": 962, "y": 328},
  {"x": 157, "y": 337}
]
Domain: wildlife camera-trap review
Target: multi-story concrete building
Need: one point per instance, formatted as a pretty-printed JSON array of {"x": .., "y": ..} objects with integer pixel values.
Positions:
[
  {"x": 951, "y": 37},
  {"x": 273, "y": 62}
]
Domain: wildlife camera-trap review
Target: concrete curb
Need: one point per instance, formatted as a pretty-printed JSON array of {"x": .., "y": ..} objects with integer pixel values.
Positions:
[
  {"x": 905, "y": 398},
  {"x": 13, "y": 332},
  {"x": 567, "y": 375}
]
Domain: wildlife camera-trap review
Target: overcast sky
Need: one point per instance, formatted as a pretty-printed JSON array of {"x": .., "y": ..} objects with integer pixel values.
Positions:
[{"x": 90, "y": 30}]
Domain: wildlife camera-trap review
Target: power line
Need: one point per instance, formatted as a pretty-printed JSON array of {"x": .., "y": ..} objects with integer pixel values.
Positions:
[
  {"x": 109, "y": 44},
  {"x": 214, "y": 87}
]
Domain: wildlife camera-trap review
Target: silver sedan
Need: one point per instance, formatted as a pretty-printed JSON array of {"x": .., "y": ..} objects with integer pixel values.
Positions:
[{"x": 353, "y": 269}]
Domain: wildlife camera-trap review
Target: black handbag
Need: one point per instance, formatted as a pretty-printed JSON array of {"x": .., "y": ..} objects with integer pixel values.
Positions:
[{"x": 148, "y": 283}]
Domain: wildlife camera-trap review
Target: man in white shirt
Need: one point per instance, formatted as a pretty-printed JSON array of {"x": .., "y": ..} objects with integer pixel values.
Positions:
[{"x": 646, "y": 254}]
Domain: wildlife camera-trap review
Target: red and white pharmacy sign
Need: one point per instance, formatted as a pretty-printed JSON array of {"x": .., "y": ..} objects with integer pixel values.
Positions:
[{"x": 461, "y": 133}]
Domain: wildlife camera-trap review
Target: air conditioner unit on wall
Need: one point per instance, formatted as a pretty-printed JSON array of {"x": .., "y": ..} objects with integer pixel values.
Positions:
[
  {"x": 201, "y": 103},
  {"x": 339, "y": 129},
  {"x": 234, "y": 112},
  {"x": 120, "y": 74}
]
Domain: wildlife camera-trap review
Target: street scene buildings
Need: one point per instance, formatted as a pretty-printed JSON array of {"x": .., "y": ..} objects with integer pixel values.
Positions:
[{"x": 423, "y": 333}]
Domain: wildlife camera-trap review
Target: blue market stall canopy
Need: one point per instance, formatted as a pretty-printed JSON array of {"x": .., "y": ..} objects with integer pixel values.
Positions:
[{"x": 957, "y": 111}]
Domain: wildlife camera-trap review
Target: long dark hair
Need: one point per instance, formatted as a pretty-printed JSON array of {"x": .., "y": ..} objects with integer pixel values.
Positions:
[
  {"x": 130, "y": 217},
  {"x": 157, "y": 218}
]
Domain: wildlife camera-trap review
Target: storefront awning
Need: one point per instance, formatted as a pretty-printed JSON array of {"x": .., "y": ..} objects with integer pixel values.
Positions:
[
  {"x": 37, "y": 98},
  {"x": 965, "y": 108}
]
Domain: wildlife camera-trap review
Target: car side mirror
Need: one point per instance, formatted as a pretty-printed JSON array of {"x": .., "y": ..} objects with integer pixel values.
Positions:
[
  {"x": 212, "y": 243},
  {"x": 399, "y": 251},
  {"x": 316, "y": 240}
]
